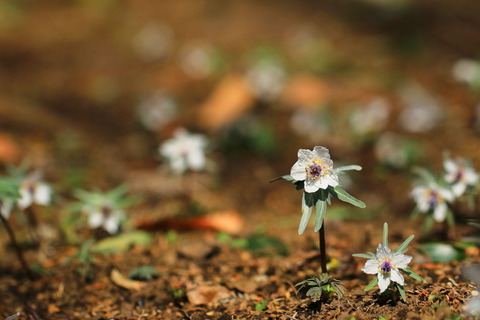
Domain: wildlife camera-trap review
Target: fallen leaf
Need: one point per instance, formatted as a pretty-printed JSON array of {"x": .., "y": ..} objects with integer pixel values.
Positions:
[
  {"x": 230, "y": 99},
  {"x": 226, "y": 221},
  {"x": 306, "y": 91},
  {"x": 206, "y": 293},
  {"x": 53, "y": 308},
  {"x": 9, "y": 150},
  {"x": 124, "y": 282}
]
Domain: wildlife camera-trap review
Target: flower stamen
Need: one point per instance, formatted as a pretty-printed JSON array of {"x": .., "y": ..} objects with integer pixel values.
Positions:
[{"x": 385, "y": 266}]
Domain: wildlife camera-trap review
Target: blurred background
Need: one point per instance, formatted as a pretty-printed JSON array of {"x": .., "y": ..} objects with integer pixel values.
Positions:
[{"x": 90, "y": 89}]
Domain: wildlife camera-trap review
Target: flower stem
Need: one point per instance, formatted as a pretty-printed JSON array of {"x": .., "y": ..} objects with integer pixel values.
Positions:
[
  {"x": 18, "y": 251},
  {"x": 323, "y": 251},
  {"x": 33, "y": 224}
]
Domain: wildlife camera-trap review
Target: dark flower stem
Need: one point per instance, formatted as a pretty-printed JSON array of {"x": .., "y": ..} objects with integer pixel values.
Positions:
[
  {"x": 323, "y": 251},
  {"x": 33, "y": 223},
  {"x": 18, "y": 251}
]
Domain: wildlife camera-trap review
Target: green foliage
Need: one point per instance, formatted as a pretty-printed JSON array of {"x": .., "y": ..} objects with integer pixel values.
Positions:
[
  {"x": 344, "y": 196},
  {"x": 124, "y": 241},
  {"x": 258, "y": 243},
  {"x": 84, "y": 259},
  {"x": 261, "y": 305},
  {"x": 9, "y": 189},
  {"x": 116, "y": 197},
  {"x": 320, "y": 288},
  {"x": 442, "y": 252},
  {"x": 144, "y": 273}
]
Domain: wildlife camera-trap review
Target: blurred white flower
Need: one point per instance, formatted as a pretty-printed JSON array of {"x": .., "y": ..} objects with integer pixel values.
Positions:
[
  {"x": 185, "y": 151},
  {"x": 422, "y": 111},
  {"x": 315, "y": 168},
  {"x": 466, "y": 71},
  {"x": 432, "y": 199},
  {"x": 266, "y": 79},
  {"x": 372, "y": 118},
  {"x": 460, "y": 175},
  {"x": 33, "y": 190},
  {"x": 156, "y": 110},
  {"x": 309, "y": 123},
  {"x": 104, "y": 215},
  {"x": 6, "y": 207},
  {"x": 198, "y": 59},
  {"x": 386, "y": 265},
  {"x": 390, "y": 149},
  {"x": 153, "y": 41}
]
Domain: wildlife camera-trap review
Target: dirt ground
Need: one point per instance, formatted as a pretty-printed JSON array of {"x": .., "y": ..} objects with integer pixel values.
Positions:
[{"x": 71, "y": 79}]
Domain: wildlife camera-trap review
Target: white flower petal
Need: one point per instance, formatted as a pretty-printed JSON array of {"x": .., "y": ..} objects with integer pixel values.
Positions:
[
  {"x": 371, "y": 266},
  {"x": 95, "y": 220},
  {"x": 321, "y": 152},
  {"x": 450, "y": 166},
  {"x": 196, "y": 160},
  {"x": 401, "y": 260},
  {"x": 42, "y": 194},
  {"x": 111, "y": 224},
  {"x": 6, "y": 208},
  {"x": 397, "y": 277},
  {"x": 459, "y": 188},
  {"x": 311, "y": 185},
  {"x": 383, "y": 281},
  {"x": 298, "y": 171},
  {"x": 26, "y": 198},
  {"x": 383, "y": 252},
  {"x": 305, "y": 155},
  {"x": 440, "y": 212}
]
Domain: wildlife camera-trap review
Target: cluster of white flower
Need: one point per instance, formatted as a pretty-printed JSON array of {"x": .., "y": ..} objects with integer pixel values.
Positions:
[
  {"x": 32, "y": 190},
  {"x": 433, "y": 197},
  {"x": 184, "y": 151}
]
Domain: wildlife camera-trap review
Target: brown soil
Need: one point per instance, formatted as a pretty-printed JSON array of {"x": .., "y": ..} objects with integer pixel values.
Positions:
[{"x": 69, "y": 84}]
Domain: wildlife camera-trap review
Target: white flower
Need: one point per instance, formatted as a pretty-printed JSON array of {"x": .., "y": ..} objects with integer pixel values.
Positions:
[
  {"x": 266, "y": 80},
  {"x": 34, "y": 190},
  {"x": 105, "y": 216},
  {"x": 460, "y": 175},
  {"x": 315, "y": 168},
  {"x": 185, "y": 151},
  {"x": 387, "y": 265},
  {"x": 157, "y": 110},
  {"x": 198, "y": 59},
  {"x": 422, "y": 111},
  {"x": 6, "y": 207},
  {"x": 466, "y": 70},
  {"x": 432, "y": 198},
  {"x": 372, "y": 118},
  {"x": 153, "y": 41}
]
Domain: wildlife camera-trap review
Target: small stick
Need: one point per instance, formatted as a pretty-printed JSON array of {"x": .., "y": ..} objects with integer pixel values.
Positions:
[{"x": 18, "y": 251}]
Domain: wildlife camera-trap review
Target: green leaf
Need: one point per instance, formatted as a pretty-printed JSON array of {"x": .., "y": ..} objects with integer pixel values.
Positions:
[
  {"x": 348, "y": 168},
  {"x": 412, "y": 274},
  {"x": 402, "y": 292},
  {"x": 321, "y": 209},
  {"x": 124, "y": 241},
  {"x": 385, "y": 235},
  {"x": 401, "y": 248},
  {"x": 343, "y": 195},
  {"x": 261, "y": 305},
  {"x": 144, "y": 273},
  {"x": 441, "y": 252},
  {"x": 372, "y": 284},
  {"x": 9, "y": 189},
  {"x": 425, "y": 175},
  {"x": 364, "y": 255},
  {"x": 306, "y": 212},
  {"x": 285, "y": 177}
]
